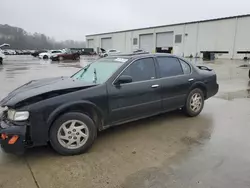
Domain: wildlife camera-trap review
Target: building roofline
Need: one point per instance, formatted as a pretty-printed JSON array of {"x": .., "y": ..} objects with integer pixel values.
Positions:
[{"x": 159, "y": 26}]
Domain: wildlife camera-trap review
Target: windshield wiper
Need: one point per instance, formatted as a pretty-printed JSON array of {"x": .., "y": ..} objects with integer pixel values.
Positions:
[
  {"x": 95, "y": 76},
  {"x": 85, "y": 69}
]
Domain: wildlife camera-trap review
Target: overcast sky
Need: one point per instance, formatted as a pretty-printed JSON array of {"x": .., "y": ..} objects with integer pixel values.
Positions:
[{"x": 73, "y": 19}]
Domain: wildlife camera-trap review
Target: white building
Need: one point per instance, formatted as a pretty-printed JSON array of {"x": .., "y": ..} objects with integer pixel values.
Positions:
[{"x": 226, "y": 37}]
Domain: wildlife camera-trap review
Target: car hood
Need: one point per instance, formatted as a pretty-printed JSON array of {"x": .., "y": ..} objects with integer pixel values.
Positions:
[{"x": 35, "y": 88}]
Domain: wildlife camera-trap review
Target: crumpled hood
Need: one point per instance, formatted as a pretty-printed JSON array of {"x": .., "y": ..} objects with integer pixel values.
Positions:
[{"x": 38, "y": 87}]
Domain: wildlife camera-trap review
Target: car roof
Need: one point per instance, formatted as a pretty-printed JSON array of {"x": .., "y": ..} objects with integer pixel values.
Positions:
[{"x": 143, "y": 54}]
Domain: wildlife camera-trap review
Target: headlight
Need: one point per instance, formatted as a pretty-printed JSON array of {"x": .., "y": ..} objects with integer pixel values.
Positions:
[{"x": 17, "y": 116}]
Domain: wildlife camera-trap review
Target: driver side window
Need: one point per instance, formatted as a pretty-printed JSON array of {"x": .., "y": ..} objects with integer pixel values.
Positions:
[{"x": 141, "y": 70}]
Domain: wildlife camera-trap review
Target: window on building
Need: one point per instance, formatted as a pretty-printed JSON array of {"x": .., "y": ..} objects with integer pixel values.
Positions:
[
  {"x": 140, "y": 70},
  {"x": 135, "y": 41},
  {"x": 178, "y": 38},
  {"x": 185, "y": 67},
  {"x": 169, "y": 66}
]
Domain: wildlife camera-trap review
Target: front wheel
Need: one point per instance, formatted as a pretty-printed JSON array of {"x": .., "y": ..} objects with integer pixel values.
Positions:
[
  {"x": 45, "y": 57},
  {"x": 72, "y": 133},
  {"x": 1, "y": 61},
  {"x": 249, "y": 74},
  {"x": 194, "y": 103}
]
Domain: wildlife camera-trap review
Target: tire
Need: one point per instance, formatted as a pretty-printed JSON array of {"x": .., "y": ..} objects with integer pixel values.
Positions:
[
  {"x": 189, "y": 109},
  {"x": 1, "y": 61},
  {"x": 45, "y": 57},
  {"x": 73, "y": 135},
  {"x": 60, "y": 58},
  {"x": 249, "y": 74}
]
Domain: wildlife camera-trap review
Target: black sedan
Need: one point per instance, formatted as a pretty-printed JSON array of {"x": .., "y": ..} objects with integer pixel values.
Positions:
[{"x": 67, "y": 112}]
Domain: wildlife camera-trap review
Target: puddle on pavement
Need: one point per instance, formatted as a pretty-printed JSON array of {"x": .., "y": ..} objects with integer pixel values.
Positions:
[{"x": 234, "y": 95}]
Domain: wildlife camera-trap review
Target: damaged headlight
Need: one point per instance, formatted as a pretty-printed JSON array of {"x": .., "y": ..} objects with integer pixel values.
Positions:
[{"x": 17, "y": 115}]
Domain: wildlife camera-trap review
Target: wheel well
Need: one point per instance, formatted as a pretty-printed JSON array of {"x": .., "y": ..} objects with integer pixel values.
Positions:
[
  {"x": 86, "y": 109},
  {"x": 203, "y": 89}
]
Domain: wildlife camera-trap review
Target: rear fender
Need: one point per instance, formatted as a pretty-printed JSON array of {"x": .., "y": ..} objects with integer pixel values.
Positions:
[{"x": 200, "y": 85}]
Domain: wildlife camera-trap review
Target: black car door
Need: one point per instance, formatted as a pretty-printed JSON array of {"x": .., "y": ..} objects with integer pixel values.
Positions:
[
  {"x": 176, "y": 80},
  {"x": 139, "y": 98}
]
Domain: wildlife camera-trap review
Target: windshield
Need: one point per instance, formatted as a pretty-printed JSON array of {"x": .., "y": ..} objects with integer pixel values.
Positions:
[{"x": 99, "y": 71}]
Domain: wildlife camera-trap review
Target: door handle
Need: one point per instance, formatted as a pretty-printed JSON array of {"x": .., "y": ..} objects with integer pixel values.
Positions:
[
  {"x": 191, "y": 79},
  {"x": 155, "y": 86}
]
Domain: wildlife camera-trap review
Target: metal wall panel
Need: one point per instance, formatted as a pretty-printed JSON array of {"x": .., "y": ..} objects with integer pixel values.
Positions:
[{"x": 91, "y": 43}]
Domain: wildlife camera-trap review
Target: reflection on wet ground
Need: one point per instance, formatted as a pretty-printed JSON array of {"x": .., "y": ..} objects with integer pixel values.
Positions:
[
  {"x": 235, "y": 95},
  {"x": 170, "y": 150}
]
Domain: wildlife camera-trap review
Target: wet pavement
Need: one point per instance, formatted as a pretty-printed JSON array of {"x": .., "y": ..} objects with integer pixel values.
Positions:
[{"x": 170, "y": 150}]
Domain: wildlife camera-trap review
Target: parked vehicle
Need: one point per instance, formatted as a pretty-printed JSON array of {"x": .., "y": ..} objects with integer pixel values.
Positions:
[
  {"x": 49, "y": 54},
  {"x": 109, "y": 52},
  {"x": 36, "y": 53},
  {"x": 67, "y": 55},
  {"x": 67, "y": 112},
  {"x": 139, "y": 51},
  {"x": 2, "y": 56}
]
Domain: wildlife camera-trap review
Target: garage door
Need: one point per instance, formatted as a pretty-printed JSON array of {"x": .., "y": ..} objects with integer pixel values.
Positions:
[
  {"x": 106, "y": 43},
  {"x": 91, "y": 43},
  {"x": 147, "y": 42},
  {"x": 165, "y": 39}
]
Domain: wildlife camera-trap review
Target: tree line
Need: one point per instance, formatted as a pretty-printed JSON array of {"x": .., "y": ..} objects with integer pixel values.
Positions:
[{"x": 20, "y": 39}]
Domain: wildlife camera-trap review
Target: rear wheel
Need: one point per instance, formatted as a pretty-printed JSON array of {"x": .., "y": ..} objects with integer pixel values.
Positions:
[
  {"x": 72, "y": 133},
  {"x": 45, "y": 57},
  {"x": 1, "y": 60},
  {"x": 194, "y": 103},
  {"x": 249, "y": 74}
]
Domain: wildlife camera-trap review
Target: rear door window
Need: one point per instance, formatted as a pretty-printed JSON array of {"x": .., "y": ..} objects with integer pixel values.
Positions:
[
  {"x": 169, "y": 66},
  {"x": 185, "y": 67}
]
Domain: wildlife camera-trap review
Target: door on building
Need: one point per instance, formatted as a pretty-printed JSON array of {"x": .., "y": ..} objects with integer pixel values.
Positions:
[
  {"x": 164, "y": 42},
  {"x": 106, "y": 43},
  {"x": 91, "y": 43},
  {"x": 146, "y": 42}
]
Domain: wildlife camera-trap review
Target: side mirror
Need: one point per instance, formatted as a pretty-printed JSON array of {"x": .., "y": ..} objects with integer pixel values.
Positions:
[{"x": 124, "y": 79}]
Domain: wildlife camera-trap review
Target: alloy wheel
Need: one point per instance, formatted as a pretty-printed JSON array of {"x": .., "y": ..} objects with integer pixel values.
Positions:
[
  {"x": 196, "y": 102},
  {"x": 73, "y": 134}
]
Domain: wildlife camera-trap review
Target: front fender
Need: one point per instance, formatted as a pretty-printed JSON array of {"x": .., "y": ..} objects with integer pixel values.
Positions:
[{"x": 63, "y": 107}]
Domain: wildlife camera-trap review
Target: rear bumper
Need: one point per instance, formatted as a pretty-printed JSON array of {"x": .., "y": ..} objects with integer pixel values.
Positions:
[
  {"x": 212, "y": 90},
  {"x": 7, "y": 134}
]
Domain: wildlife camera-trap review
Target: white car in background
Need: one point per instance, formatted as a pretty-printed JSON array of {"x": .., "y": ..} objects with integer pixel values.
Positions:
[
  {"x": 49, "y": 54},
  {"x": 109, "y": 52},
  {"x": 2, "y": 56}
]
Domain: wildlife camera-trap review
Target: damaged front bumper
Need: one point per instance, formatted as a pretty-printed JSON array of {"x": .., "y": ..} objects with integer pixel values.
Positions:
[{"x": 12, "y": 137}]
